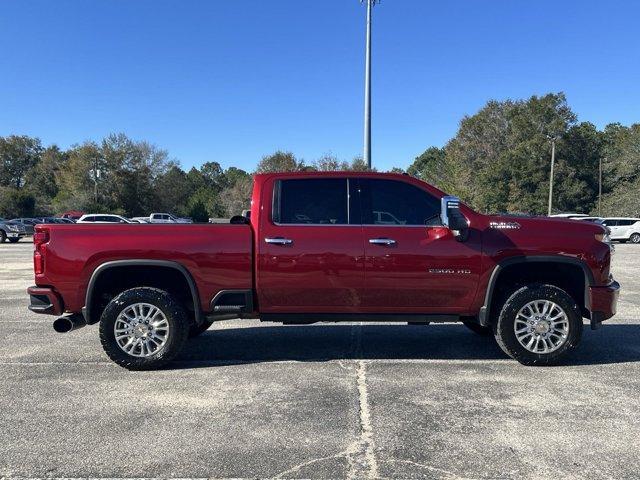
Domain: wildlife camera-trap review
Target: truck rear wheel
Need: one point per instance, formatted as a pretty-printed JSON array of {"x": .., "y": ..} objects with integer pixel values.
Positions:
[
  {"x": 143, "y": 328},
  {"x": 539, "y": 325}
]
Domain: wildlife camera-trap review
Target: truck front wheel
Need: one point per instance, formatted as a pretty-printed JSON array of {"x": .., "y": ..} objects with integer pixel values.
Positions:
[
  {"x": 538, "y": 325},
  {"x": 143, "y": 328}
]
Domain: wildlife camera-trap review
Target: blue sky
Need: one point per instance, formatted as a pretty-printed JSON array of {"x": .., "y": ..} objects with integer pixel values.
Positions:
[{"x": 231, "y": 81}]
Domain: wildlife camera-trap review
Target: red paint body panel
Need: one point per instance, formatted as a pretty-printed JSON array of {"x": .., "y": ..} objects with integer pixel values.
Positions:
[
  {"x": 438, "y": 274},
  {"x": 217, "y": 256},
  {"x": 604, "y": 300},
  {"x": 331, "y": 268},
  {"x": 541, "y": 236}
]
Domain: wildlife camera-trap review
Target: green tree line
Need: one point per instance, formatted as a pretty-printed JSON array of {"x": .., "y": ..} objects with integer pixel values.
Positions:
[{"x": 498, "y": 161}]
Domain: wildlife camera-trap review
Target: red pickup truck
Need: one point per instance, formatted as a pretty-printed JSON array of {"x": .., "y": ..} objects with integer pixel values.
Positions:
[{"x": 329, "y": 247}]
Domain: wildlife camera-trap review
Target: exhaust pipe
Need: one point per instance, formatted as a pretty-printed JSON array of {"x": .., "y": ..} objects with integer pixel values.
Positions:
[{"x": 69, "y": 323}]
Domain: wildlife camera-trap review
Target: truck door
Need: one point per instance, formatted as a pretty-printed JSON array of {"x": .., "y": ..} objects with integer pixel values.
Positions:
[
  {"x": 310, "y": 250},
  {"x": 413, "y": 264}
]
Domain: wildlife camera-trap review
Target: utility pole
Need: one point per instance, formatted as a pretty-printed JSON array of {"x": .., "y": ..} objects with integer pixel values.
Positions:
[
  {"x": 600, "y": 188},
  {"x": 96, "y": 176},
  {"x": 553, "y": 161},
  {"x": 367, "y": 86}
]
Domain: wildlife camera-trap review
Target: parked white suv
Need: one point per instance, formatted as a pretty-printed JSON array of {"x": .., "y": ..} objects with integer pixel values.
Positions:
[{"x": 623, "y": 228}]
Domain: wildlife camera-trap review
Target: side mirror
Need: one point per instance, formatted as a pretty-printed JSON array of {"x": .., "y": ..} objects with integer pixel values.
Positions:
[{"x": 452, "y": 217}]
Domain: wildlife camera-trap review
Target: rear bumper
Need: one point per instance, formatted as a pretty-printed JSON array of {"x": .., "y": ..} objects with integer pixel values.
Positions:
[
  {"x": 44, "y": 300},
  {"x": 603, "y": 302}
]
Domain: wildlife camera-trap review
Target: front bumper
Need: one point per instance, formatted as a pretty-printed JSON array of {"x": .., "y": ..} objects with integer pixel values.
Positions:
[
  {"x": 603, "y": 303},
  {"x": 44, "y": 300}
]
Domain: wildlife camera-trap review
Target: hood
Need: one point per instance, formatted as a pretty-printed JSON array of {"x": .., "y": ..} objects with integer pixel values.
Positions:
[{"x": 552, "y": 225}]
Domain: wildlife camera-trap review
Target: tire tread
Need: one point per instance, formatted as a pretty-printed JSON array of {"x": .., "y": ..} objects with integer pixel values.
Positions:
[
  {"x": 171, "y": 308},
  {"x": 503, "y": 327}
]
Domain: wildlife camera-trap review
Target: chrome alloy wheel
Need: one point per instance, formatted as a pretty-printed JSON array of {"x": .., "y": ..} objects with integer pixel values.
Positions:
[
  {"x": 541, "y": 326},
  {"x": 141, "y": 330}
]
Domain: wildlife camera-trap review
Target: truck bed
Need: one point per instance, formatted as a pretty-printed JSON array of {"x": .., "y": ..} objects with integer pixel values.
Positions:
[{"x": 218, "y": 257}]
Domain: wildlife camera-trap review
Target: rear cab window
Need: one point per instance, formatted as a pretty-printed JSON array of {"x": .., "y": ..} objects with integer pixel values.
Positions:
[{"x": 312, "y": 201}]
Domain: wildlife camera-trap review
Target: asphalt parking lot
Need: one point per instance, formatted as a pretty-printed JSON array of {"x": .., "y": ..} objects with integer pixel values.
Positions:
[{"x": 325, "y": 401}]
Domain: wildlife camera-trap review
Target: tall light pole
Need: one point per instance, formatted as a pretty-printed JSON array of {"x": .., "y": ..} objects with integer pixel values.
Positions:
[
  {"x": 553, "y": 161},
  {"x": 367, "y": 86}
]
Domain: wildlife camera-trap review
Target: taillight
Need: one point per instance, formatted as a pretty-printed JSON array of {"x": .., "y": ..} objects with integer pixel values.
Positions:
[
  {"x": 40, "y": 237},
  {"x": 38, "y": 263}
]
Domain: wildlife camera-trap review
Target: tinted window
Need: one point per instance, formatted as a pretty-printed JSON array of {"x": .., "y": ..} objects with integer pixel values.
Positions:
[
  {"x": 320, "y": 201},
  {"x": 610, "y": 223},
  {"x": 390, "y": 202}
]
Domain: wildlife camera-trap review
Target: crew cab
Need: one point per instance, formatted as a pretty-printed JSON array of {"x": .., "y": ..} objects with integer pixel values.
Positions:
[{"x": 333, "y": 247}]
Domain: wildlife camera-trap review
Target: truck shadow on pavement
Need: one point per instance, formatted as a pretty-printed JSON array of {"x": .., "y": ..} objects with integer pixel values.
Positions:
[{"x": 616, "y": 343}]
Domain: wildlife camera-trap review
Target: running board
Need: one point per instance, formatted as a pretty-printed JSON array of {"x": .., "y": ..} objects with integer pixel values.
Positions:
[
  {"x": 308, "y": 318},
  {"x": 232, "y": 301}
]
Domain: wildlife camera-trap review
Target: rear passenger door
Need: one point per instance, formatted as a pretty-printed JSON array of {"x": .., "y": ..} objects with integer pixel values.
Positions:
[{"x": 310, "y": 250}]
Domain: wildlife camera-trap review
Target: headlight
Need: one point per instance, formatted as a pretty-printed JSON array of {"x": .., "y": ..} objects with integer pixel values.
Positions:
[
  {"x": 606, "y": 239},
  {"x": 13, "y": 228}
]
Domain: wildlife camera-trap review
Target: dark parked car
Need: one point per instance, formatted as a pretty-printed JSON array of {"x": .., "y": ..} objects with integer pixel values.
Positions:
[
  {"x": 11, "y": 231},
  {"x": 50, "y": 220},
  {"x": 27, "y": 223}
]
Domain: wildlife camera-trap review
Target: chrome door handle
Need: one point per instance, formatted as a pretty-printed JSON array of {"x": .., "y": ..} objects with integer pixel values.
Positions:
[
  {"x": 278, "y": 241},
  {"x": 382, "y": 241}
]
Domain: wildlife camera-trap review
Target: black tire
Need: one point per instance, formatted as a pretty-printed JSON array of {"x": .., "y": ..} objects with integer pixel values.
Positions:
[
  {"x": 504, "y": 330},
  {"x": 635, "y": 238},
  {"x": 3, "y": 236},
  {"x": 478, "y": 329},
  {"x": 14, "y": 240},
  {"x": 172, "y": 310},
  {"x": 195, "y": 330}
]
